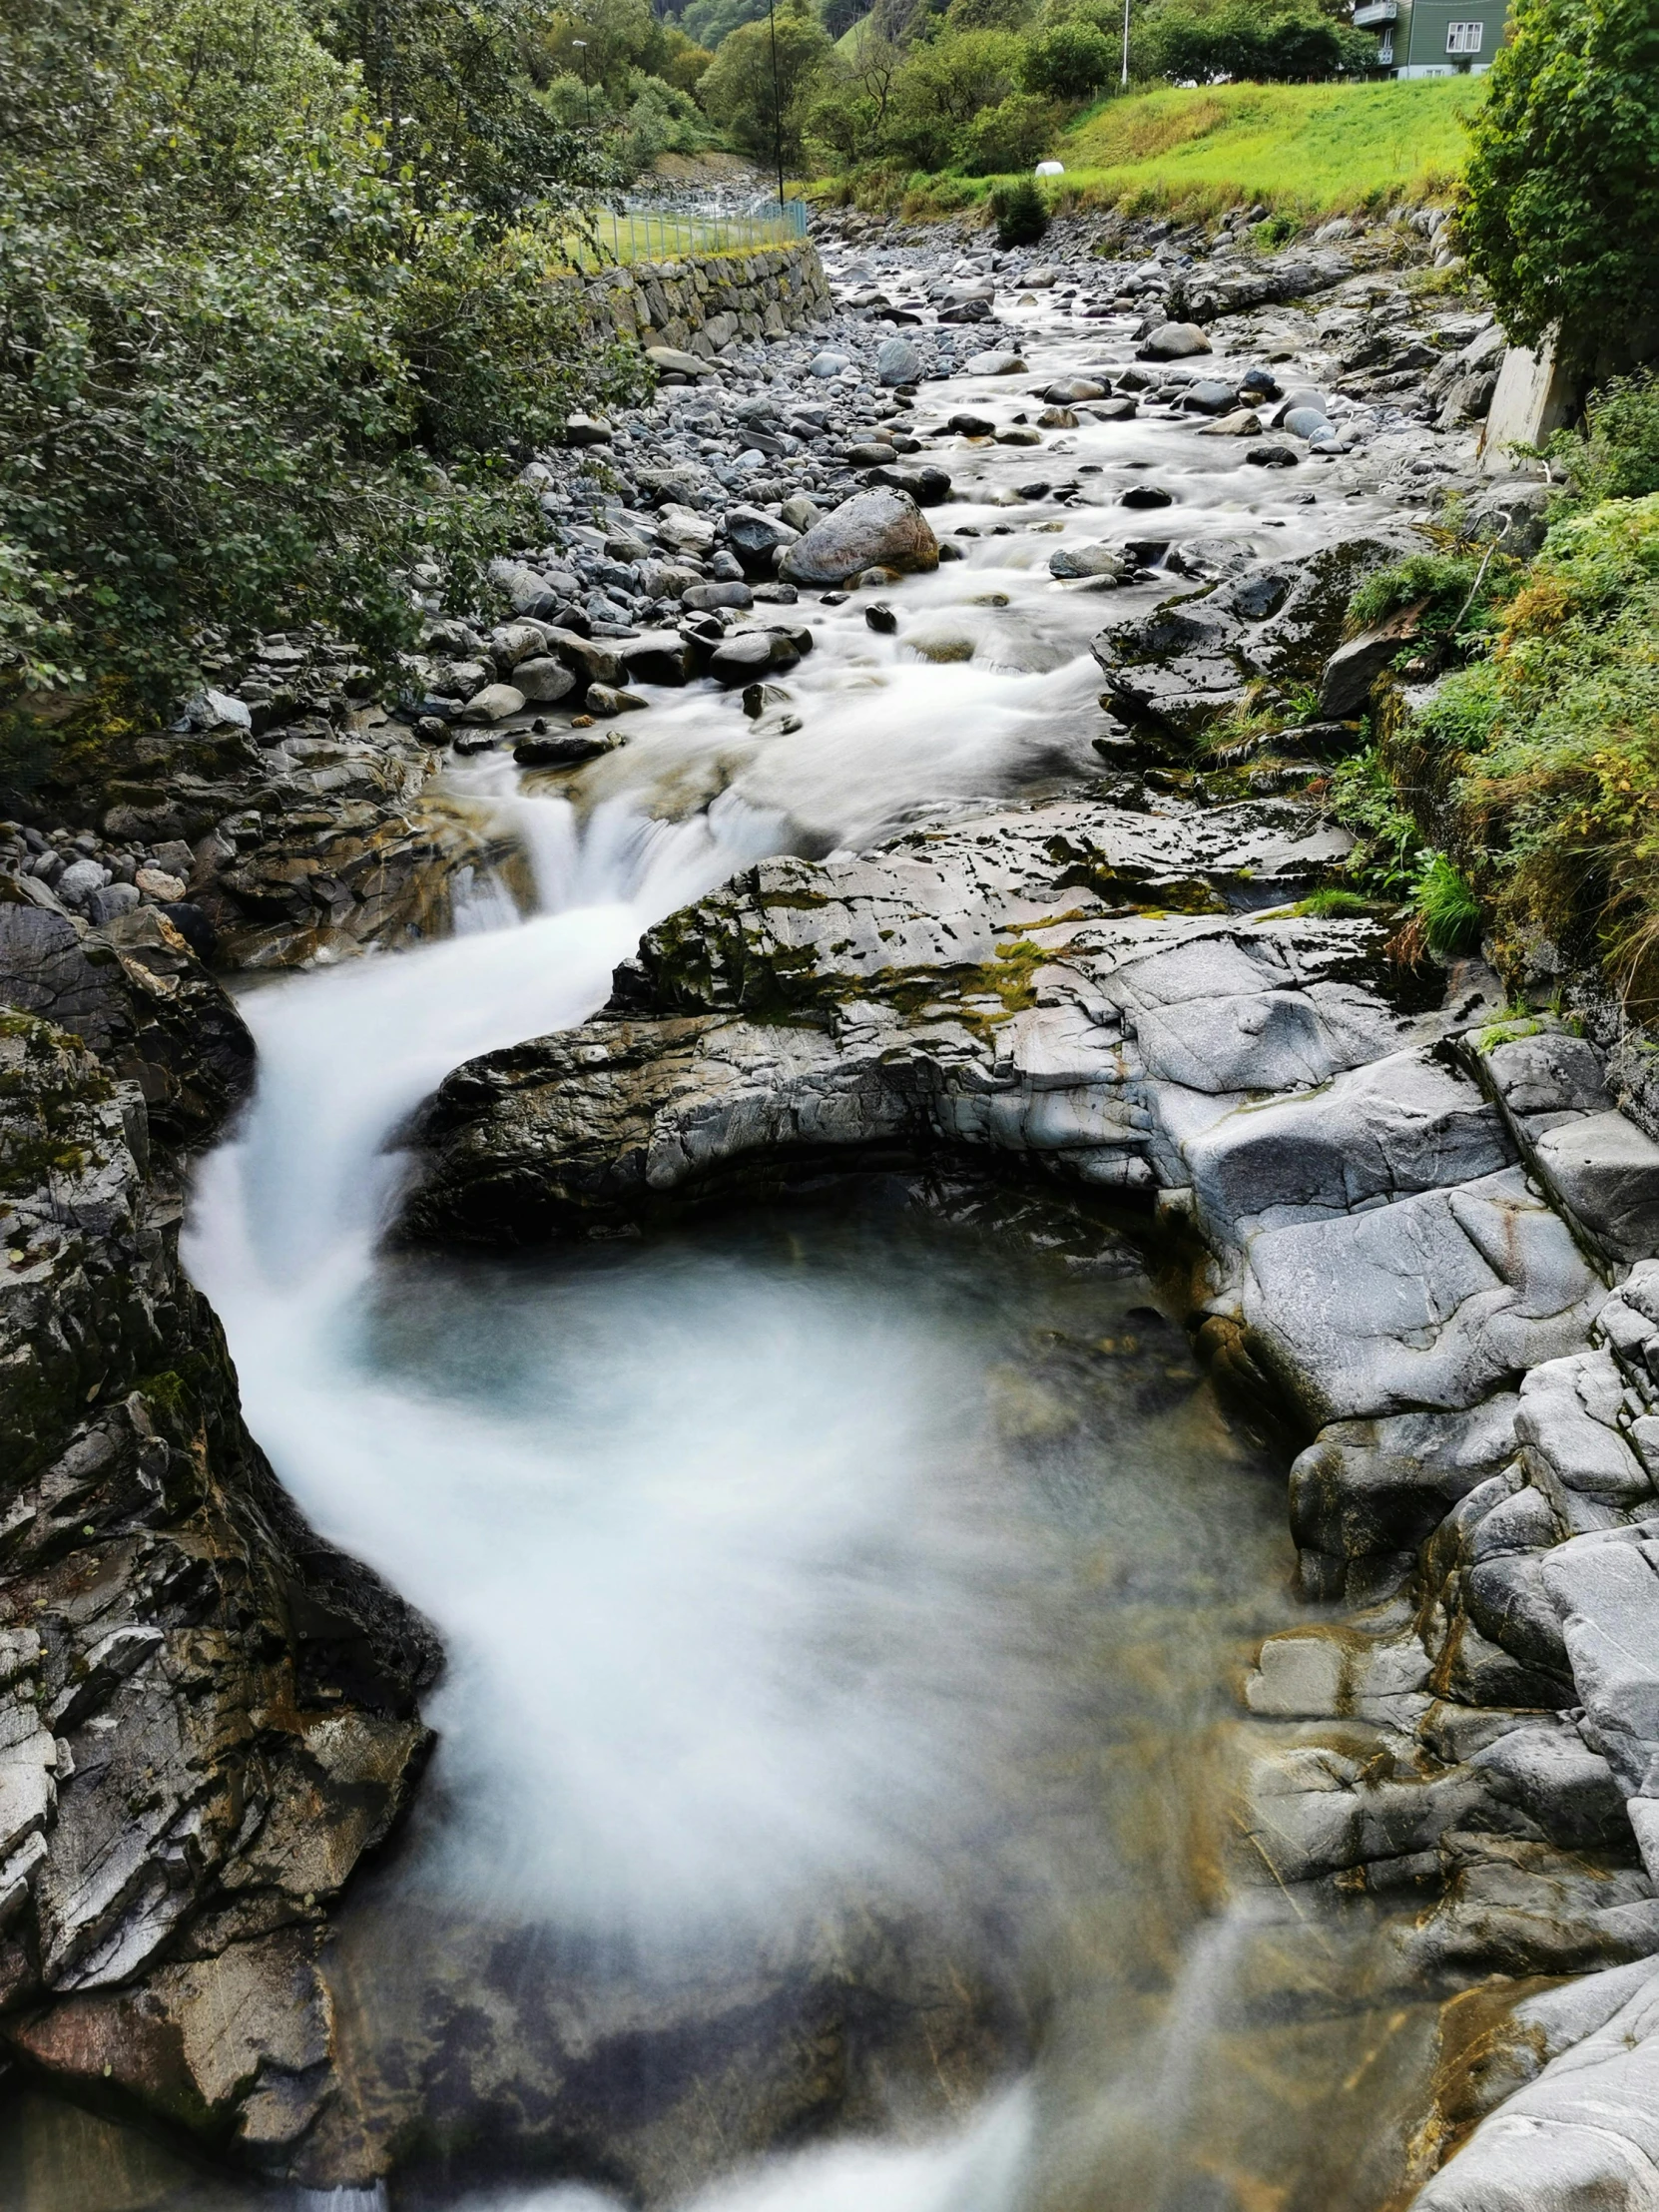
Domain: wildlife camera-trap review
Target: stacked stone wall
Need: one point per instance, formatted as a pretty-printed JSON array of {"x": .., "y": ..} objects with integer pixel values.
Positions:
[{"x": 703, "y": 302}]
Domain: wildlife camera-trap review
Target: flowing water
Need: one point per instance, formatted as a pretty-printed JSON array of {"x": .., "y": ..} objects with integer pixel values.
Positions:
[{"x": 844, "y": 1605}]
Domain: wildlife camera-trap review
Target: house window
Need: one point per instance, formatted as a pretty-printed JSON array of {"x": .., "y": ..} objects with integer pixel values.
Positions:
[
  {"x": 1464, "y": 38},
  {"x": 1385, "y": 48}
]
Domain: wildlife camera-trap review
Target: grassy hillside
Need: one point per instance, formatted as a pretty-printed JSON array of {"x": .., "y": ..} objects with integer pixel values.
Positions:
[{"x": 1312, "y": 147}]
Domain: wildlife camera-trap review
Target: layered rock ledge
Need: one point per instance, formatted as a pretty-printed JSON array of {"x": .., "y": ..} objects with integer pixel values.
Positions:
[
  {"x": 206, "y": 1714},
  {"x": 1410, "y": 1237}
]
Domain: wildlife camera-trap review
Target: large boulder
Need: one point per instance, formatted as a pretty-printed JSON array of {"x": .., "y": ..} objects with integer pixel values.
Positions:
[
  {"x": 1175, "y": 342},
  {"x": 880, "y": 528},
  {"x": 757, "y": 538},
  {"x": 900, "y": 362}
]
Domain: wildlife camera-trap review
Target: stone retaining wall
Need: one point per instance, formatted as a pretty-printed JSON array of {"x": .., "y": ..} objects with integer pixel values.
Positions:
[{"x": 703, "y": 302}]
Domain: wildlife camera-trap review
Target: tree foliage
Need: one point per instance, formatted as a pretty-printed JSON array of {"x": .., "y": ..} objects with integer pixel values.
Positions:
[
  {"x": 1070, "y": 62},
  {"x": 1561, "y": 199},
  {"x": 1277, "y": 42},
  {"x": 757, "y": 85},
  {"x": 261, "y": 351}
]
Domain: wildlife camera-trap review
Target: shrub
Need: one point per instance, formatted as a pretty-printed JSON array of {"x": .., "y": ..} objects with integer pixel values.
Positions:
[
  {"x": 1549, "y": 750},
  {"x": 1455, "y": 591},
  {"x": 1561, "y": 196},
  {"x": 1021, "y": 218},
  {"x": 940, "y": 91},
  {"x": 1615, "y": 454}
]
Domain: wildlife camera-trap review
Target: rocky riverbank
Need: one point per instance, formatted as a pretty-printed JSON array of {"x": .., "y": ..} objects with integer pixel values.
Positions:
[{"x": 1413, "y": 1231}]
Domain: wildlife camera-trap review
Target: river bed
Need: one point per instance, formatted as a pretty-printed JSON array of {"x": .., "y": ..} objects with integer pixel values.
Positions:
[{"x": 846, "y": 1605}]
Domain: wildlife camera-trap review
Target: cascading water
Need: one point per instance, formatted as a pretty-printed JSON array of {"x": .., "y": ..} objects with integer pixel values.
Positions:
[{"x": 814, "y": 1586}]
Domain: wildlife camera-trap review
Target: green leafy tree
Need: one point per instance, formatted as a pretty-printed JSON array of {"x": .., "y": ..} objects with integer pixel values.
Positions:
[
  {"x": 987, "y": 15},
  {"x": 942, "y": 87},
  {"x": 1070, "y": 62},
  {"x": 1013, "y": 135},
  {"x": 1561, "y": 200},
  {"x": 450, "y": 79},
  {"x": 846, "y": 114},
  {"x": 711, "y": 22},
  {"x": 742, "y": 95},
  {"x": 1286, "y": 41}
]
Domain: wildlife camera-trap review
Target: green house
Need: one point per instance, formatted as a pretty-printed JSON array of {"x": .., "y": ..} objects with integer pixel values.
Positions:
[{"x": 1432, "y": 38}]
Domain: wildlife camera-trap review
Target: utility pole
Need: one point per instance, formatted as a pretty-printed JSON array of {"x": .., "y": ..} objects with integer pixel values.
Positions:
[
  {"x": 1126, "y": 45},
  {"x": 776, "y": 105},
  {"x": 587, "y": 89}
]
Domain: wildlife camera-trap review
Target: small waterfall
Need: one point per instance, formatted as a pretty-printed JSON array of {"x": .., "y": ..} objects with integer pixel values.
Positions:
[{"x": 372, "y": 2199}]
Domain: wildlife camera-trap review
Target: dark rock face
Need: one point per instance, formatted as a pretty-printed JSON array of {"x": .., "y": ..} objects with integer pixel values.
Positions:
[{"x": 208, "y": 1714}]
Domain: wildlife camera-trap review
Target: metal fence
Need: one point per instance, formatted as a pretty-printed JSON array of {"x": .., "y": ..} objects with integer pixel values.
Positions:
[{"x": 647, "y": 234}]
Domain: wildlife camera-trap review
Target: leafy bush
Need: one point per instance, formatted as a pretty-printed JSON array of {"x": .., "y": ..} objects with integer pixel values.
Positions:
[
  {"x": 711, "y": 22},
  {"x": 1021, "y": 218},
  {"x": 1562, "y": 198},
  {"x": 1364, "y": 800},
  {"x": 1547, "y": 752},
  {"x": 1455, "y": 590},
  {"x": 940, "y": 91},
  {"x": 1615, "y": 452},
  {"x": 1276, "y": 230},
  {"x": 1070, "y": 61}
]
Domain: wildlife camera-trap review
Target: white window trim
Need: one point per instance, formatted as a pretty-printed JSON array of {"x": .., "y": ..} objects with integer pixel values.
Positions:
[{"x": 1466, "y": 38}]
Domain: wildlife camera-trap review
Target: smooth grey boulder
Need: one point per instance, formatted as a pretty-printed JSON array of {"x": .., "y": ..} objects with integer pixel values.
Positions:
[
  {"x": 590, "y": 659},
  {"x": 1605, "y": 1586},
  {"x": 1582, "y": 2138},
  {"x": 1545, "y": 1078},
  {"x": 746, "y": 655},
  {"x": 757, "y": 537},
  {"x": 881, "y": 528},
  {"x": 1088, "y": 560},
  {"x": 899, "y": 361},
  {"x": 1210, "y": 397},
  {"x": 676, "y": 362},
  {"x": 1568, "y": 1423},
  {"x": 1376, "y": 1489},
  {"x": 1434, "y": 1301},
  {"x": 1605, "y": 1172},
  {"x": 1401, "y": 1124},
  {"x": 1174, "y": 341},
  {"x": 660, "y": 657},
  {"x": 544, "y": 680},
  {"x": 493, "y": 704}
]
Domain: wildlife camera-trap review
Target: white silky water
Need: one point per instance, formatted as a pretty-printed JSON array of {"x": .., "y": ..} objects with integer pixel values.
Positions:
[{"x": 842, "y": 1606}]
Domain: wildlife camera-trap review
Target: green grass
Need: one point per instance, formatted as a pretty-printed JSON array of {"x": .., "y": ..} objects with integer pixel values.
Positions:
[{"x": 1311, "y": 149}]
